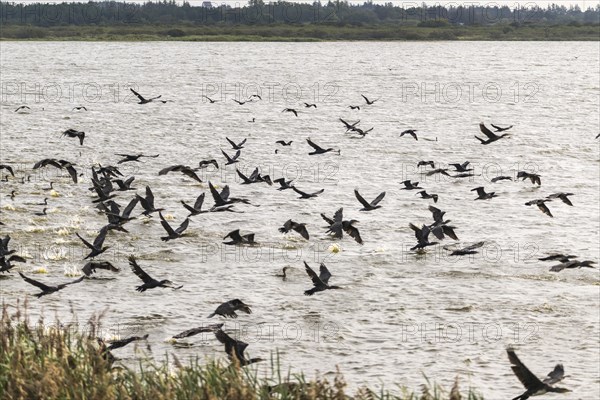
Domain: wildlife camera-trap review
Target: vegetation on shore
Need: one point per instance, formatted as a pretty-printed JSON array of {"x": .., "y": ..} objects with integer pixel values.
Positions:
[
  {"x": 37, "y": 362},
  {"x": 298, "y": 33},
  {"x": 286, "y": 21}
]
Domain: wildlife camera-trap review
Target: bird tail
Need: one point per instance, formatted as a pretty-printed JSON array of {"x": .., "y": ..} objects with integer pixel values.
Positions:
[{"x": 480, "y": 139}]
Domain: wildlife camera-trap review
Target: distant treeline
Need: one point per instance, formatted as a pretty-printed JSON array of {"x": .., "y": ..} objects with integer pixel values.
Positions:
[{"x": 257, "y": 12}]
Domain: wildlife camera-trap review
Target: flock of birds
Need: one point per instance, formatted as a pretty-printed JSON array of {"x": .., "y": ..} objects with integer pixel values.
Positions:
[{"x": 107, "y": 183}]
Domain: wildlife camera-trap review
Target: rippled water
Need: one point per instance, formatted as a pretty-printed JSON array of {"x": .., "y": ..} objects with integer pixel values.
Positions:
[{"x": 400, "y": 315}]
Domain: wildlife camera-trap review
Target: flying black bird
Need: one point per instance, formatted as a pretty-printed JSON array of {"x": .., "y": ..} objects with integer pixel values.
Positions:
[
  {"x": 534, "y": 386},
  {"x": 201, "y": 329},
  {"x": 79, "y": 108},
  {"x": 348, "y": 125},
  {"x": 229, "y": 308},
  {"x": 369, "y": 102},
  {"x": 241, "y": 103},
  {"x": 467, "y": 250},
  {"x": 422, "y": 236},
  {"x": 231, "y": 160},
  {"x": 72, "y": 133},
  {"x": 366, "y": 205},
  {"x": 361, "y": 132},
  {"x": 254, "y": 96},
  {"x": 540, "y": 203},
  {"x": 197, "y": 208},
  {"x": 321, "y": 281},
  {"x": 491, "y": 136},
  {"x": 572, "y": 264},
  {"x": 96, "y": 248},
  {"x": 438, "y": 171},
  {"x": 133, "y": 157},
  {"x": 6, "y": 262},
  {"x": 117, "y": 344},
  {"x": 114, "y": 215},
  {"x": 236, "y": 146},
  {"x": 338, "y": 225},
  {"x": 48, "y": 289},
  {"x": 172, "y": 234},
  {"x": 291, "y": 110},
  {"x": 499, "y": 129},
  {"x": 235, "y": 349},
  {"x": 236, "y": 238},
  {"x": 304, "y": 195},
  {"x": 291, "y": 225},
  {"x": 222, "y": 198},
  {"x": 309, "y": 105},
  {"x": 60, "y": 164},
  {"x": 284, "y": 143},
  {"x": 283, "y": 184},
  {"x": 205, "y": 163},
  {"x": 482, "y": 195},
  {"x": 255, "y": 177},
  {"x": 534, "y": 178},
  {"x": 148, "y": 202},
  {"x": 354, "y": 107},
  {"x": 563, "y": 196},
  {"x": 408, "y": 185},
  {"x": 318, "y": 149},
  {"x": 411, "y": 132},
  {"x": 142, "y": 99},
  {"x": 22, "y": 108},
  {"x": 183, "y": 169},
  {"x": 426, "y": 195},
  {"x": 91, "y": 267},
  {"x": 149, "y": 282}
]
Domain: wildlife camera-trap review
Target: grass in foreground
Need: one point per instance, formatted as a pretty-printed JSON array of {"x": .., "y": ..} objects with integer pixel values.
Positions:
[{"x": 37, "y": 362}]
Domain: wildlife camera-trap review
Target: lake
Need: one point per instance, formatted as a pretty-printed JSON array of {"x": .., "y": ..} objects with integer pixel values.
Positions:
[{"x": 400, "y": 314}]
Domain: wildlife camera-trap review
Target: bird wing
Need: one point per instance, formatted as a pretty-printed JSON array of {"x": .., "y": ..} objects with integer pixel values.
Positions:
[
  {"x": 486, "y": 131},
  {"x": 229, "y": 159},
  {"x": 557, "y": 375},
  {"x": 139, "y": 96},
  {"x": 361, "y": 199},
  {"x": 35, "y": 283},
  {"x": 449, "y": 230},
  {"x": 237, "y": 155},
  {"x": 240, "y": 144},
  {"x": 473, "y": 246},
  {"x": 72, "y": 282},
  {"x": 378, "y": 199},
  {"x": 166, "y": 170},
  {"x": 317, "y": 192},
  {"x": 364, "y": 97},
  {"x": 100, "y": 238},
  {"x": 324, "y": 274},
  {"x": 183, "y": 226},
  {"x": 71, "y": 170},
  {"x": 313, "y": 275},
  {"x": 244, "y": 177},
  {"x": 231, "y": 142},
  {"x": 190, "y": 172},
  {"x": 216, "y": 196},
  {"x": 127, "y": 211},
  {"x": 199, "y": 202},
  {"x": 527, "y": 378},
  {"x": 300, "y": 192},
  {"x": 234, "y": 348},
  {"x": 88, "y": 244},
  {"x": 166, "y": 225},
  {"x": 138, "y": 270},
  {"x": 314, "y": 145},
  {"x": 149, "y": 197},
  {"x": 301, "y": 229},
  {"x": 327, "y": 219},
  {"x": 234, "y": 235},
  {"x": 339, "y": 215},
  {"x": 225, "y": 193},
  {"x": 544, "y": 209},
  {"x": 195, "y": 331},
  {"x": 354, "y": 233}
]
